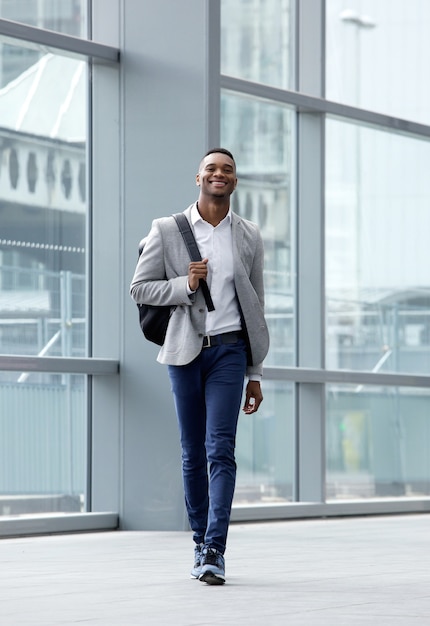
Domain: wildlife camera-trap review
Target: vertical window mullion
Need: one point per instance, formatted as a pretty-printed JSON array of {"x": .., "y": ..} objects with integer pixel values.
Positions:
[{"x": 310, "y": 401}]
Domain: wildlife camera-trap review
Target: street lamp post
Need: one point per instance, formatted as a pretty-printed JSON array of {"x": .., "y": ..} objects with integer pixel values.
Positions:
[
  {"x": 359, "y": 22},
  {"x": 363, "y": 21}
]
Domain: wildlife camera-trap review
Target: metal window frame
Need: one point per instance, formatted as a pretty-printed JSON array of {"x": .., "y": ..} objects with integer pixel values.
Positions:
[
  {"x": 22, "y": 35},
  {"x": 310, "y": 376},
  {"x": 50, "y": 524},
  {"x": 63, "y": 365},
  {"x": 314, "y": 376},
  {"x": 49, "y": 41},
  {"x": 305, "y": 103},
  {"x": 311, "y": 109}
]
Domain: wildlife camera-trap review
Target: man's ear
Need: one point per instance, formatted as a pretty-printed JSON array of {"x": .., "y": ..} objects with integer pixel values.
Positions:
[{"x": 198, "y": 180}]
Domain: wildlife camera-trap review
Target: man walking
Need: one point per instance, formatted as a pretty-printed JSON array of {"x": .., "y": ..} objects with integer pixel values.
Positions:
[{"x": 209, "y": 353}]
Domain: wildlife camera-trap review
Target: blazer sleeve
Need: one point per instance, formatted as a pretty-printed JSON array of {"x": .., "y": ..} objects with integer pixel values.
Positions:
[
  {"x": 250, "y": 290},
  {"x": 151, "y": 283},
  {"x": 256, "y": 275}
]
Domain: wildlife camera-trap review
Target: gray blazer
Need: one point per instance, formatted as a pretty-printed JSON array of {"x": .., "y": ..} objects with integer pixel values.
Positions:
[{"x": 165, "y": 256}]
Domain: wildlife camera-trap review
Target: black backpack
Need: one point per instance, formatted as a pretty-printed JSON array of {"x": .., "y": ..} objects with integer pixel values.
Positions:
[{"x": 154, "y": 320}]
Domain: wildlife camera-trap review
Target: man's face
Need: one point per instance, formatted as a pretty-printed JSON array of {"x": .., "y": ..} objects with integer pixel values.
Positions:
[{"x": 217, "y": 175}]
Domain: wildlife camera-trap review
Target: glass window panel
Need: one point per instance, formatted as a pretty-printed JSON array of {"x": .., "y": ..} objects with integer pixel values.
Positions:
[
  {"x": 378, "y": 442},
  {"x": 264, "y": 449},
  {"x": 43, "y": 209},
  {"x": 377, "y": 56},
  {"x": 377, "y": 252},
  {"x": 256, "y": 41},
  {"x": 260, "y": 135},
  {"x": 63, "y": 16},
  {"x": 43, "y": 443}
]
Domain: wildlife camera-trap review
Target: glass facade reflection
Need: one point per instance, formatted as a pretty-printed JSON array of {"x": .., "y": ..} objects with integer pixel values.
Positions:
[
  {"x": 261, "y": 136},
  {"x": 43, "y": 204},
  {"x": 264, "y": 453},
  {"x": 377, "y": 253},
  {"x": 376, "y": 56},
  {"x": 378, "y": 442},
  {"x": 63, "y": 16},
  {"x": 257, "y": 41},
  {"x": 43, "y": 445},
  {"x": 377, "y": 306},
  {"x": 43, "y": 283}
]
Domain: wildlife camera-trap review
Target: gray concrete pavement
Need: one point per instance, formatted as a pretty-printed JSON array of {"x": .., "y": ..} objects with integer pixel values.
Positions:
[{"x": 346, "y": 572}]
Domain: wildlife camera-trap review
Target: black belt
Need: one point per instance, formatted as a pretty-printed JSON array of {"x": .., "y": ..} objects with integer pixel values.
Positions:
[{"x": 223, "y": 338}]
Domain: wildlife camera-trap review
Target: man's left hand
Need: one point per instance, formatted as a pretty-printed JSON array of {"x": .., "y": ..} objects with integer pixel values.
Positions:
[{"x": 253, "y": 398}]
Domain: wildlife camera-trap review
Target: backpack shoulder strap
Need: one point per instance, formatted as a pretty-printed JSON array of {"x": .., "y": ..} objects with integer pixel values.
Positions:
[
  {"x": 193, "y": 251},
  {"x": 188, "y": 237}
]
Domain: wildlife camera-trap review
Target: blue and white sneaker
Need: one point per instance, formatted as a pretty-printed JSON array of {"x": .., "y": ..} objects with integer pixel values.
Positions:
[
  {"x": 212, "y": 567},
  {"x": 198, "y": 555}
]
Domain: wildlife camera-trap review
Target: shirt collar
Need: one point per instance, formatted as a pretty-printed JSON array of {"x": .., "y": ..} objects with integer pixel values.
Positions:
[{"x": 196, "y": 217}]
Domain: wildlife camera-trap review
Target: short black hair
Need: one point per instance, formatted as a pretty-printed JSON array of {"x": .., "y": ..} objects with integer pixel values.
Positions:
[
  {"x": 222, "y": 150},
  {"x": 214, "y": 151}
]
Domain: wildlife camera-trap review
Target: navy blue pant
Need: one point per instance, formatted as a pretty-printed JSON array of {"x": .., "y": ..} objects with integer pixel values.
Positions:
[{"x": 208, "y": 395}]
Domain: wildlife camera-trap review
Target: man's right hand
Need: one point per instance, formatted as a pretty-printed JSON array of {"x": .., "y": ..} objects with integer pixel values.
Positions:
[{"x": 196, "y": 271}]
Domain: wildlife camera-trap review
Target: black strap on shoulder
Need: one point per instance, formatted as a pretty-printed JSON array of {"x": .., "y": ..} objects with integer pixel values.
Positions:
[{"x": 193, "y": 251}]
